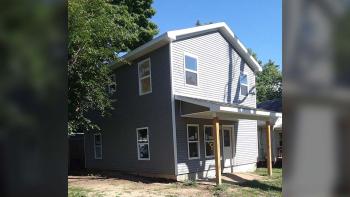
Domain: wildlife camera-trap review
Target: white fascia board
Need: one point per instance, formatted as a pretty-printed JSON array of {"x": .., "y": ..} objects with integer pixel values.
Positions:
[
  {"x": 242, "y": 49},
  {"x": 191, "y": 30},
  {"x": 153, "y": 43},
  {"x": 248, "y": 111},
  {"x": 229, "y": 109},
  {"x": 222, "y": 26},
  {"x": 172, "y": 36},
  {"x": 263, "y": 113}
]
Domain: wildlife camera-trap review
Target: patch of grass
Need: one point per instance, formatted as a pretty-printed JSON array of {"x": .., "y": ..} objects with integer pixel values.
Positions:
[
  {"x": 77, "y": 192},
  {"x": 220, "y": 189},
  {"x": 190, "y": 183},
  {"x": 270, "y": 186}
]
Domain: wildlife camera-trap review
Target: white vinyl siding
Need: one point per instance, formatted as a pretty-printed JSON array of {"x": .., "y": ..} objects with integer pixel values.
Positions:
[
  {"x": 218, "y": 70},
  {"x": 247, "y": 142}
]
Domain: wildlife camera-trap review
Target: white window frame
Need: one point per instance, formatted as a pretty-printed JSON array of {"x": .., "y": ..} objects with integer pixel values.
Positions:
[
  {"x": 137, "y": 144},
  {"x": 144, "y": 77},
  {"x": 198, "y": 142},
  {"x": 240, "y": 84},
  {"x": 113, "y": 83},
  {"x": 96, "y": 134},
  {"x": 206, "y": 141},
  {"x": 186, "y": 69}
]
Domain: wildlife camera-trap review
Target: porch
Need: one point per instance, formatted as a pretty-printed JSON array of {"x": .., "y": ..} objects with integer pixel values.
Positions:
[{"x": 220, "y": 111}]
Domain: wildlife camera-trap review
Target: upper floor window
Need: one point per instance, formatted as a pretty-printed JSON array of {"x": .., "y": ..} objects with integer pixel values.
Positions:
[
  {"x": 112, "y": 87},
  {"x": 243, "y": 81},
  {"x": 143, "y": 143},
  {"x": 145, "y": 78},
  {"x": 98, "y": 145},
  {"x": 191, "y": 70}
]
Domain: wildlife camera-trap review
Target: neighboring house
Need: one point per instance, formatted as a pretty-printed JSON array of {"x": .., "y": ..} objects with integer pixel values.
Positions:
[
  {"x": 276, "y": 134},
  {"x": 166, "y": 100}
]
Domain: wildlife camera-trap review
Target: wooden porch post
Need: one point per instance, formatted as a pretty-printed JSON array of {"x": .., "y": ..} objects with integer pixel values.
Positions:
[
  {"x": 268, "y": 144},
  {"x": 217, "y": 150}
]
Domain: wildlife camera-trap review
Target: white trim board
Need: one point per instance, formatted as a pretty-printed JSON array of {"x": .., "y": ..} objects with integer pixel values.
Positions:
[
  {"x": 171, "y": 36},
  {"x": 137, "y": 144},
  {"x": 198, "y": 142},
  {"x": 144, "y": 77},
  {"x": 96, "y": 134}
]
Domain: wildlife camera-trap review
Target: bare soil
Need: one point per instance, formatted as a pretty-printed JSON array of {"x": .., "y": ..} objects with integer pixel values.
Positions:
[{"x": 134, "y": 186}]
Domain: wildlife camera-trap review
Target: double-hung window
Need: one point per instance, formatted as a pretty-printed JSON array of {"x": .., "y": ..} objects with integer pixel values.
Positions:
[
  {"x": 145, "y": 78},
  {"x": 98, "y": 145},
  {"x": 112, "y": 87},
  {"x": 193, "y": 141},
  {"x": 243, "y": 81},
  {"x": 143, "y": 143},
  {"x": 191, "y": 69},
  {"x": 209, "y": 141}
]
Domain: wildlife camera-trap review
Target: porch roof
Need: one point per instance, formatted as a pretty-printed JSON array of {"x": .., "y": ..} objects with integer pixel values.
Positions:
[{"x": 227, "y": 111}]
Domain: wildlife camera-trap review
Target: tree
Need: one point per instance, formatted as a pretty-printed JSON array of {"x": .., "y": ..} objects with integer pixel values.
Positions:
[
  {"x": 269, "y": 83},
  {"x": 252, "y": 53},
  {"x": 98, "y": 30}
]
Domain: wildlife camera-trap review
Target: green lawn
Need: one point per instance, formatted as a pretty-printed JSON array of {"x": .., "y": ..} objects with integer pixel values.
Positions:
[
  {"x": 77, "y": 192},
  {"x": 271, "y": 186}
]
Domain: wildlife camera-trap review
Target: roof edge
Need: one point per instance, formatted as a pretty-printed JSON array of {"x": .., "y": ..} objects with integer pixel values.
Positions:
[{"x": 171, "y": 36}]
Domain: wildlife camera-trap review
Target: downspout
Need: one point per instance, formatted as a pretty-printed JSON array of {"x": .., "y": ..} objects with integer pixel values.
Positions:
[{"x": 173, "y": 106}]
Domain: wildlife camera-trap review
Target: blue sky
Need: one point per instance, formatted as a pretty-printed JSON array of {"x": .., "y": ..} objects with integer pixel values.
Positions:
[{"x": 257, "y": 23}]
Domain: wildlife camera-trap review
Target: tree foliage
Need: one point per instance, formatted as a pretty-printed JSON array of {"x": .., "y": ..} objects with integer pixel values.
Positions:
[
  {"x": 98, "y": 31},
  {"x": 269, "y": 82}
]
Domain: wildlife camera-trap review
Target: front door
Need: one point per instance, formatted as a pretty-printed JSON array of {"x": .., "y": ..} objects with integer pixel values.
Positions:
[{"x": 227, "y": 135}]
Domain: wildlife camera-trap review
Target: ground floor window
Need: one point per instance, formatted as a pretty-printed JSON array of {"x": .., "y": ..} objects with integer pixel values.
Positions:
[
  {"x": 193, "y": 141},
  {"x": 143, "y": 143},
  {"x": 209, "y": 141},
  {"x": 98, "y": 145}
]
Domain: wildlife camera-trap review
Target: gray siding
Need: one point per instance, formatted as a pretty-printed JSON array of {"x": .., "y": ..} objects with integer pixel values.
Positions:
[
  {"x": 133, "y": 111},
  {"x": 219, "y": 67},
  {"x": 246, "y": 144}
]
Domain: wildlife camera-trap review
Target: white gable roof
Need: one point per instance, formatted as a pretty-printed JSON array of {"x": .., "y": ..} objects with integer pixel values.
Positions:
[{"x": 171, "y": 36}]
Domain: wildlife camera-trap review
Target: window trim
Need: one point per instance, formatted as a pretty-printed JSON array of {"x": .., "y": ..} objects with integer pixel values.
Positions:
[
  {"x": 240, "y": 84},
  {"x": 189, "y": 70},
  {"x": 144, "y": 77},
  {"x": 113, "y": 83},
  {"x": 198, "y": 143},
  {"x": 96, "y": 134},
  {"x": 137, "y": 144},
  {"x": 205, "y": 141}
]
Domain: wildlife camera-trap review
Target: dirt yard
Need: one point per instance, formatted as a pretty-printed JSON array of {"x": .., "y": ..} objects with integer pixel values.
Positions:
[{"x": 132, "y": 186}]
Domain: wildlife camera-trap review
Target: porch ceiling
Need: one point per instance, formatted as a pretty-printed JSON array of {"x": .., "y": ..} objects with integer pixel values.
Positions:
[{"x": 226, "y": 111}]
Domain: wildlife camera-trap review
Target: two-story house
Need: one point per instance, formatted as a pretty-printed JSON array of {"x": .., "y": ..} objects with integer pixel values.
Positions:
[{"x": 187, "y": 96}]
